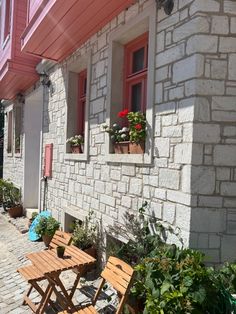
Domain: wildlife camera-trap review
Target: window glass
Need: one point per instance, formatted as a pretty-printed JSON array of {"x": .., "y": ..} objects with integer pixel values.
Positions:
[
  {"x": 138, "y": 60},
  {"x": 7, "y": 19},
  {"x": 136, "y": 98},
  {"x": 82, "y": 101}
]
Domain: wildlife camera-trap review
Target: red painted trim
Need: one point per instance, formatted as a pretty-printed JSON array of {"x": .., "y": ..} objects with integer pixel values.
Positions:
[
  {"x": 82, "y": 85},
  {"x": 7, "y": 19},
  {"x": 48, "y": 160},
  {"x": 131, "y": 78}
]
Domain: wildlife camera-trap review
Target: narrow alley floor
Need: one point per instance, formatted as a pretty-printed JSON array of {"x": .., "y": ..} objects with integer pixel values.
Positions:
[{"x": 13, "y": 248}]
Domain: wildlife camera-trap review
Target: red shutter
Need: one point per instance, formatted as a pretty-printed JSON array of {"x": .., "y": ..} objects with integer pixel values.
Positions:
[{"x": 48, "y": 160}]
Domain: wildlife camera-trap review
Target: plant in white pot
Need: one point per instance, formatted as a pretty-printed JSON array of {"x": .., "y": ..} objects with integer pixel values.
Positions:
[{"x": 77, "y": 143}]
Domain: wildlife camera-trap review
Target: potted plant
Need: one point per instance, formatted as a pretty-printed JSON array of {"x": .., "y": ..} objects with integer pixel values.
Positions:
[
  {"x": 46, "y": 228},
  {"x": 11, "y": 197},
  {"x": 137, "y": 132},
  {"x": 85, "y": 235},
  {"x": 76, "y": 143},
  {"x": 120, "y": 138},
  {"x": 60, "y": 251}
]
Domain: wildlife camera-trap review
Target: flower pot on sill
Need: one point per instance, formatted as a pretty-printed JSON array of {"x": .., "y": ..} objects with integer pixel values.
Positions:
[
  {"x": 136, "y": 148},
  {"x": 16, "y": 211},
  {"x": 121, "y": 148},
  {"x": 76, "y": 149}
]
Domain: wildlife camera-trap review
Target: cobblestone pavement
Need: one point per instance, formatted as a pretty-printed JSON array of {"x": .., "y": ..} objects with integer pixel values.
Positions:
[{"x": 13, "y": 248}]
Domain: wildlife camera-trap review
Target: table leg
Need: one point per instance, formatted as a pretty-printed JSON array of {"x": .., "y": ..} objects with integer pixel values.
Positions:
[
  {"x": 45, "y": 299},
  {"x": 72, "y": 292}
]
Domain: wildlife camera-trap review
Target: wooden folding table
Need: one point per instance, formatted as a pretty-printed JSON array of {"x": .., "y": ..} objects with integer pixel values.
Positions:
[{"x": 50, "y": 266}]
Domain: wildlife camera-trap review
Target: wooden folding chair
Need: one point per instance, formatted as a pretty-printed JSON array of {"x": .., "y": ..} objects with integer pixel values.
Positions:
[
  {"x": 32, "y": 274},
  {"x": 120, "y": 275}
]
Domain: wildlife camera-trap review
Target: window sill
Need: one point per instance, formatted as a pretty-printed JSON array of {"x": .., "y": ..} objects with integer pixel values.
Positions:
[
  {"x": 76, "y": 157},
  {"x": 17, "y": 155},
  {"x": 142, "y": 159}
]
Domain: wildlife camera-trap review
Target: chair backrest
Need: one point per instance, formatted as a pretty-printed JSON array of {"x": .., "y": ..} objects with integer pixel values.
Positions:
[
  {"x": 60, "y": 238},
  {"x": 120, "y": 275}
]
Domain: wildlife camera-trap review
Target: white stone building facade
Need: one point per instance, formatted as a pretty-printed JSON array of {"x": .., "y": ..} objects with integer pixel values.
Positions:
[{"x": 188, "y": 171}]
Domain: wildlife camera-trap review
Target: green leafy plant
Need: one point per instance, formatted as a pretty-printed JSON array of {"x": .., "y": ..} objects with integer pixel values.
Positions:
[
  {"x": 34, "y": 215},
  {"x": 10, "y": 194},
  {"x": 85, "y": 233},
  {"x": 117, "y": 133},
  {"x": 47, "y": 226},
  {"x": 137, "y": 126},
  {"x": 75, "y": 140}
]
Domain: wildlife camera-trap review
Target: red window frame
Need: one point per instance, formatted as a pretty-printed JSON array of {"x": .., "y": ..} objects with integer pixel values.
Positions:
[
  {"x": 7, "y": 19},
  {"x": 9, "y": 131},
  {"x": 82, "y": 90},
  {"x": 48, "y": 160},
  {"x": 132, "y": 78}
]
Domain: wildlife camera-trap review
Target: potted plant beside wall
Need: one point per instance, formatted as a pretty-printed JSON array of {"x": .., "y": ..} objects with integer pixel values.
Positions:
[
  {"x": 11, "y": 197},
  {"x": 46, "y": 228},
  {"x": 77, "y": 144},
  {"x": 119, "y": 137},
  {"x": 85, "y": 235}
]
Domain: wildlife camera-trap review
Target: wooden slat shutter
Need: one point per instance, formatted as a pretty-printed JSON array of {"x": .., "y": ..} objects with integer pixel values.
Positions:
[{"x": 48, "y": 160}]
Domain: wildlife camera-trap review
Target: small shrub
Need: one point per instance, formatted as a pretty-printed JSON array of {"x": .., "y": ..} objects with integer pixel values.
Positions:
[{"x": 47, "y": 226}]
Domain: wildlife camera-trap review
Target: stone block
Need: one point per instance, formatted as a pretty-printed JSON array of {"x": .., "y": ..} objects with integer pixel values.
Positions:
[
  {"x": 202, "y": 43},
  {"x": 208, "y": 220},
  {"x": 228, "y": 248},
  {"x": 186, "y": 110},
  {"x": 202, "y": 180},
  {"x": 214, "y": 241},
  {"x": 227, "y": 44},
  {"x": 230, "y": 6},
  {"x": 233, "y": 25},
  {"x": 228, "y": 188},
  {"x": 162, "y": 147},
  {"x": 169, "y": 179},
  {"x": 170, "y": 55},
  {"x": 229, "y": 131},
  {"x": 220, "y": 25},
  {"x": 202, "y": 109},
  {"x": 172, "y": 131},
  {"x": 223, "y": 174},
  {"x": 225, "y": 103},
  {"x": 108, "y": 200},
  {"x": 196, "y": 25},
  {"x": 126, "y": 201},
  {"x": 168, "y": 212},
  {"x": 206, "y": 133},
  {"x": 115, "y": 175},
  {"x": 135, "y": 186},
  {"x": 203, "y": 241},
  {"x": 128, "y": 170},
  {"x": 224, "y": 116},
  {"x": 183, "y": 217},
  {"x": 201, "y": 87},
  {"x": 218, "y": 69},
  {"x": 224, "y": 155},
  {"x": 188, "y": 68},
  {"x": 232, "y": 66},
  {"x": 165, "y": 108},
  {"x": 204, "y": 6},
  {"x": 210, "y": 201},
  {"x": 183, "y": 153}
]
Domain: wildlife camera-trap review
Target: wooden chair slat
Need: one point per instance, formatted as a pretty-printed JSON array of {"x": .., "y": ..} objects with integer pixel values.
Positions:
[
  {"x": 124, "y": 266},
  {"x": 113, "y": 280},
  {"x": 118, "y": 271},
  {"x": 60, "y": 238}
]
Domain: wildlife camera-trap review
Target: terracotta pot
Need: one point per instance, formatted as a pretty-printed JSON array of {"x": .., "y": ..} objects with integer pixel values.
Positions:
[
  {"x": 76, "y": 149},
  {"x": 46, "y": 239},
  {"x": 121, "y": 148},
  {"x": 137, "y": 148},
  {"x": 16, "y": 211}
]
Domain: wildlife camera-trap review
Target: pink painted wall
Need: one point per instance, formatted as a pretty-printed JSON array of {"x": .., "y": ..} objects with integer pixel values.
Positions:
[{"x": 33, "y": 6}]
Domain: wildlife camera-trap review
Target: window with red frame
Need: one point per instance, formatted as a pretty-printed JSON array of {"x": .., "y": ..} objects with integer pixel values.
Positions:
[
  {"x": 7, "y": 19},
  {"x": 135, "y": 79},
  {"x": 82, "y": 80}
]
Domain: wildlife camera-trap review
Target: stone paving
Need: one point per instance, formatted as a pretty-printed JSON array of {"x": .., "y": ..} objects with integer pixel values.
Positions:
[{"x": 13, "y": 247}]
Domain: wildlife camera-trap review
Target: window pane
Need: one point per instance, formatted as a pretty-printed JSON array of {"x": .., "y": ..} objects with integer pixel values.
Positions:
[
  {"x": 138, "y": 60},
  {"x": 17, "y": 129},
  {"x": 136, "y": 97}
]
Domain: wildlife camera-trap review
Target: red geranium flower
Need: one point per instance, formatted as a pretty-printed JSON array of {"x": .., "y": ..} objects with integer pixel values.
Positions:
[
  {"x": 123, "y": 113},
  {"x": 138, "y": 126}
]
